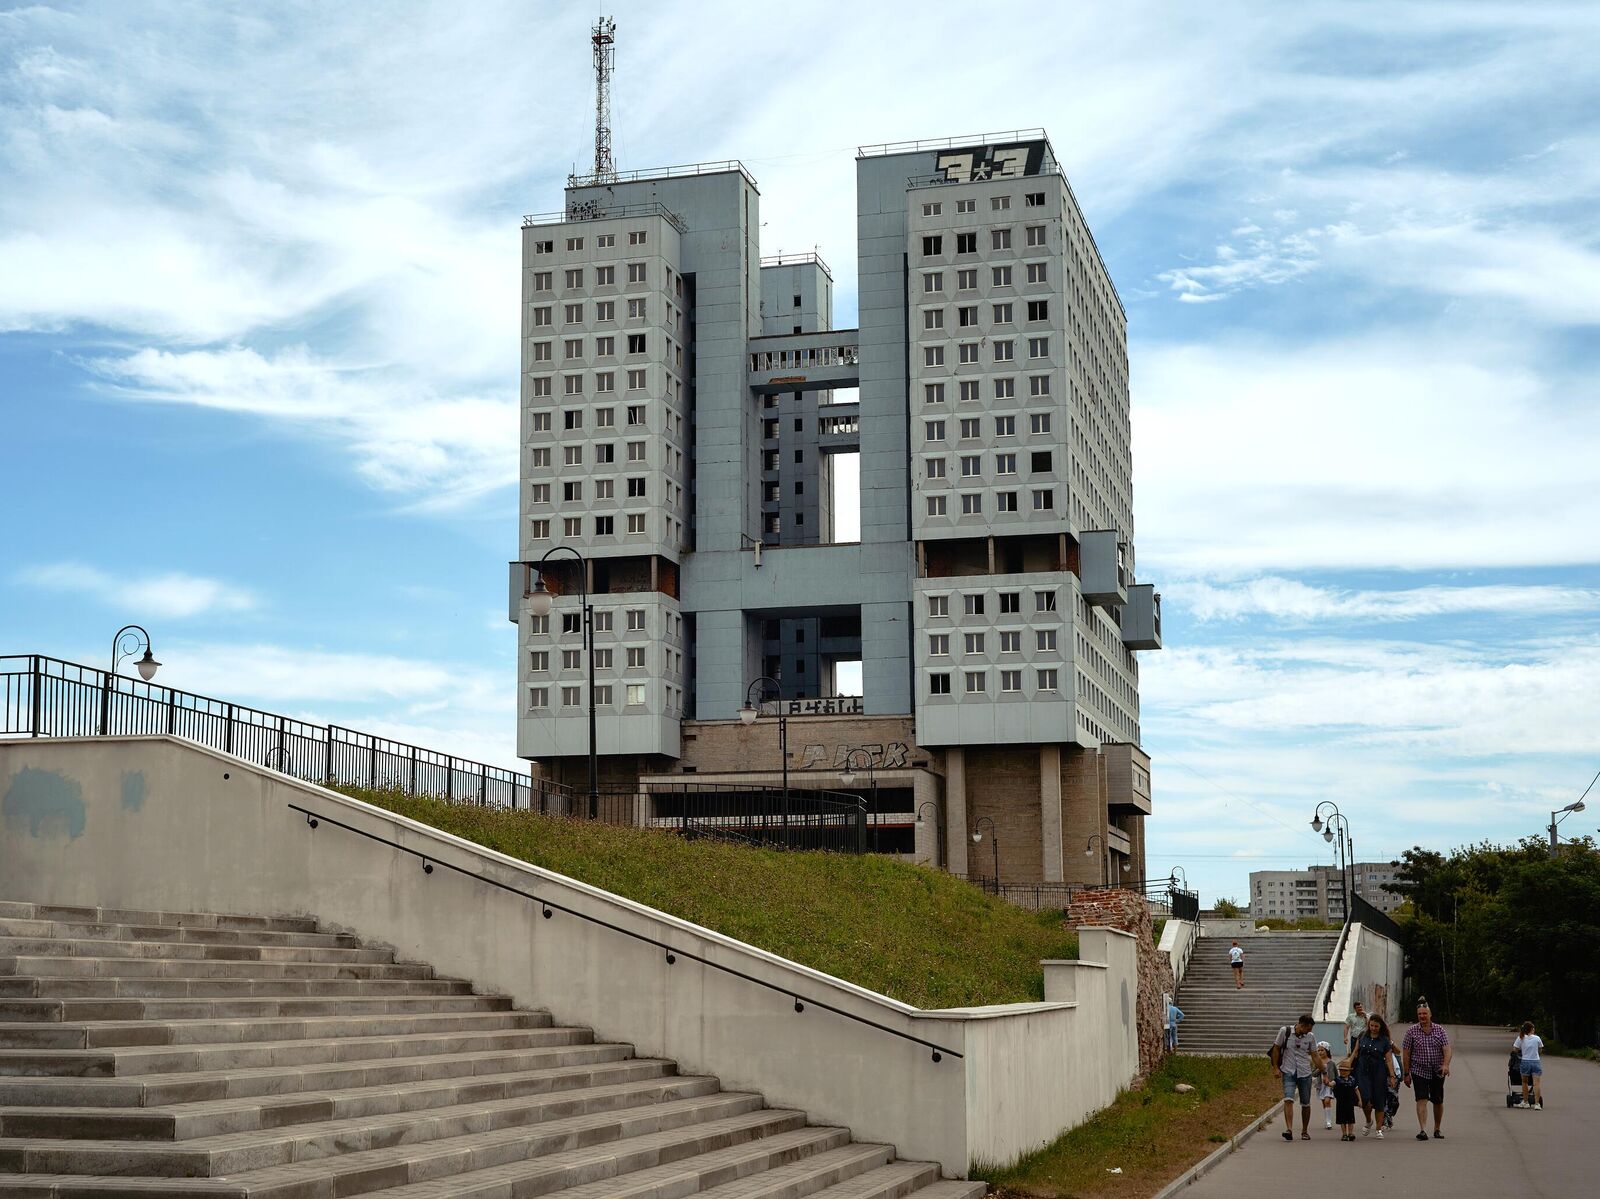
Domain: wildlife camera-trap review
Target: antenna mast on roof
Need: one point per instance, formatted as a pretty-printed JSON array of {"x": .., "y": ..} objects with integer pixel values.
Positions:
[{"x": 604, "y": 37}]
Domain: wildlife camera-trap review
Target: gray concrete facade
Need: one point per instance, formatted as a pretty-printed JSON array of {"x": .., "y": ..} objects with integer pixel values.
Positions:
[{"x": 990, "y": 412}]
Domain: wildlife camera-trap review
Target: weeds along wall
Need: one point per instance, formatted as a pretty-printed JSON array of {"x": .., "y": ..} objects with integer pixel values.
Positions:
[{"x": 160, "y": 823}]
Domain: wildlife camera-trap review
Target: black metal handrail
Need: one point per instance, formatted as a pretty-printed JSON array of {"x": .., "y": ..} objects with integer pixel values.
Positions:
[
  {"x": 41, "y": 696},
  {"x": 549, "y": 907},
  {"x": 1366, "y": 914}
]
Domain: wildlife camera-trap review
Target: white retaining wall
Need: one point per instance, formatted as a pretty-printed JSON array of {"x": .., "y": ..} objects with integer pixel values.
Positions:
[
  {"x": 1178, "y": 938},
  {"x": 161, "y": 823},
  {"x": 1371, "y": 969}
]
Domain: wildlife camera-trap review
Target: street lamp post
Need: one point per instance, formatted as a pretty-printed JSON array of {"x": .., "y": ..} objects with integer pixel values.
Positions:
[
  {"x": 1337, "y": 819},
  {"x": 994, "y": 842},
  {"x": 1556, "y": 818},
  {"x": 748, "y": 715},
  {"x": 540, "y": 602},
  {"x": 848, "y": 775},
  {"x": 125, "y": 644},
  {"x": 1088, "y": 852}
]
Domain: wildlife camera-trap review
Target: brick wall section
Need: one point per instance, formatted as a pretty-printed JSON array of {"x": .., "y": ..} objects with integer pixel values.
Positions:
[
  {"x": 1083, "y": 813},
  {"x": 1003, "y": 784},
  {"x": 1127, "y": 910}
]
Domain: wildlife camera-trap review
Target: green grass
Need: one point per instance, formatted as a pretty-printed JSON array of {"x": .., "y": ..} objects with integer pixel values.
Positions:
[
  {"x": 1587, "y": 1052},
  {"x": 906, "y": 931},
  {"x": 1151, "y": 1133},
  {"x": 1305, "y": 925}
]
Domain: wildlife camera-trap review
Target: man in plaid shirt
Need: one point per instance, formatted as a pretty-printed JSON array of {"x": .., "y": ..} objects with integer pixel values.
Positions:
[{"x": 1425, "y": 1064}]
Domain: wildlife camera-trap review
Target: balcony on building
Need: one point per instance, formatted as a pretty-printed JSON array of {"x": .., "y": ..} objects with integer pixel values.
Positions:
[
  {"x": 1103, "y": 568},
  {"x": 1141, "y": 617}
]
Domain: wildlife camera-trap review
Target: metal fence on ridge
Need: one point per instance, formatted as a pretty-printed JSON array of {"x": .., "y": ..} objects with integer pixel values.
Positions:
[{"x": 42, "y": 696}]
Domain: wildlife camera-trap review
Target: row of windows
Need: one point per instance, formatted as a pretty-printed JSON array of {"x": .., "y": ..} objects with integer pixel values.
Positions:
[
  {"x": 976, "y": 682},
  {"x": 604, "y": 347},
  {"x": 572, "y": 696},
  {"x": 999, "y": 276},
  {"x": 1043, "y": 500},
  {"x": 604, "y": 622},
  {"x": 602, "y": 241},
  {"x": 974, "y": 643},
  {"x": 996, "y": 204},
  {"x": 973, "y": 603},
  {"x": 605, "y": 452},
  {"x": 969, "y": 352},
  {"x": 972, "y": 465},
  {"x": 604, "y": 276},
  {"x": 572, "y": 491},
  {"x": 604, "y": 418},
  {"x": 604, "y": 526},
  {"x": 971, "y": 428},
  {"x": 1003, "y": 313},
  {"x": 605, "y": 312},
  {"x": 967, "y": 243},
  {"x": 572, "y": 659}
]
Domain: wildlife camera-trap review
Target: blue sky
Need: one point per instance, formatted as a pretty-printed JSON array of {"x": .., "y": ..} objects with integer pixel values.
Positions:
[{"x": 258, "y": 352}]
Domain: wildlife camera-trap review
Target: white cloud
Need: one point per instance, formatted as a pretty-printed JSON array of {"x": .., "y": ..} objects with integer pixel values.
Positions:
[
  {"x": 1284, "y": 599},
  {"x": 172, "y": 594},
  {"x": 1405, "y": 450},
  {"x": 434, "y": 449}
]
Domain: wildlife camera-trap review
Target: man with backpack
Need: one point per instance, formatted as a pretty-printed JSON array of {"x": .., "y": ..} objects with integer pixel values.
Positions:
[{"x": 1293, "y": 1053}]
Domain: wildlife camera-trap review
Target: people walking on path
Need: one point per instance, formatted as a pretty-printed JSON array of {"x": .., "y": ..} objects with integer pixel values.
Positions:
[
  {"x": 1327, "y": 1070},
  {"x": 1354, "y": 1025},
  {"x": 1345, "y": 1093},
  {"x": 1425, "y": 1064},
  {"x": 1373, "y": 1070},
  {"x": 1292, "y": 1053},
  {"x": 1528, "y": 1044},
  {"x": 1236, "y": 960},
  {"x": 1174, "y": 1014}
]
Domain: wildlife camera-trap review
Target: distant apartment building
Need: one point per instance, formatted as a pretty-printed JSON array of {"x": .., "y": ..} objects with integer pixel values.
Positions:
[
  {"x": 685, "y": 402},
  {"x": 1315, "y": 893}
]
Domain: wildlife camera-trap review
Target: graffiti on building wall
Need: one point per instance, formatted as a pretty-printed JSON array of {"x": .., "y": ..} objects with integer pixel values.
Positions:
[{"x": 890, "y": 756}]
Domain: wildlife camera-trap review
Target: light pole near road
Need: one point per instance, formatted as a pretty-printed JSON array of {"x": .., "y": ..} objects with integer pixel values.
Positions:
[
  {"x": 748, "y": 715},
  {"x": 848, "y": 775},
  {"x": 1556, "y": 818},
  {"x": 125, "y": 644},
  {"x": 938, "y": 829},
  {"x": 540, "y": 602},
  {"x": 1337, "y": 817}
]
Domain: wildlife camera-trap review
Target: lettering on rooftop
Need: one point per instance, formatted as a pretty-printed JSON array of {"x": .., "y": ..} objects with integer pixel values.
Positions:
[{"x": 977, "y": 163}]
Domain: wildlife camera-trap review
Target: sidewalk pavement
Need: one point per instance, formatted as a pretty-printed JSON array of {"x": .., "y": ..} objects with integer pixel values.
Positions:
[{"x": 1488, "y": 1149}]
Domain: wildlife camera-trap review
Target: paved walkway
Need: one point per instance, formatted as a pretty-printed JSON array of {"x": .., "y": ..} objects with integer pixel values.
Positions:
[{"x": 1488, "y": 1150}]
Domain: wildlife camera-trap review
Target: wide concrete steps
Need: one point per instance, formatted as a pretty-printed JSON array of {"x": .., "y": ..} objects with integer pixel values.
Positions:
[
  {"x": 150, "y": 1053},
  {"x": 1282, "y": 974}
]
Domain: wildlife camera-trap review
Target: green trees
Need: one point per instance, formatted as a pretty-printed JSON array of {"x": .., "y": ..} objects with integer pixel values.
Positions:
[{"x": 1503, "y": 934}]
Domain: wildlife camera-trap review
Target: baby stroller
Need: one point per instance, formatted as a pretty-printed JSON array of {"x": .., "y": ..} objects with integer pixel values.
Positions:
[{"x": 1514, "y": 1081}]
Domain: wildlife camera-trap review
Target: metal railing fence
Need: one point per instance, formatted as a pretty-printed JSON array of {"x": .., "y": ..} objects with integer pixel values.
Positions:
[{"x": 41, "y": 696}]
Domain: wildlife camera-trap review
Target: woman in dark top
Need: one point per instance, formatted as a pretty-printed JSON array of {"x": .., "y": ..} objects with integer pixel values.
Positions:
[{"x": 1373, "y": 1070}]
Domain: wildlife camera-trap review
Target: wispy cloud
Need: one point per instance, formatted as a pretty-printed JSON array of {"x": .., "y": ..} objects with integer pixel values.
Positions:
[
  {"x": 173, "y": 594},
  {"x": 1291, "y": 600},
  {"x": 433, "y": 449}
]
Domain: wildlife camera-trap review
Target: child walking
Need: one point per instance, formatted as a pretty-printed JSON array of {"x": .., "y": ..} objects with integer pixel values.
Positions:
[
  {"x": 1344, "y": 1096},
  {"x": 1325, "y": 1074}
]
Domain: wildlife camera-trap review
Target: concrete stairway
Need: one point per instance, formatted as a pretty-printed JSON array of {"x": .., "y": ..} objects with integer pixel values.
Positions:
[
  {"x": 157, "y": 1053},
  {"x": 1281, "y": 974}
]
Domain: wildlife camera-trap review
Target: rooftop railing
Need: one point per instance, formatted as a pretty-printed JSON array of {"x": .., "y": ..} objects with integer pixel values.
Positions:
[
  {"x": 688, "y": 170},
  {"x": 588, "y": 210},
  {"x": 951, "y": 143}
]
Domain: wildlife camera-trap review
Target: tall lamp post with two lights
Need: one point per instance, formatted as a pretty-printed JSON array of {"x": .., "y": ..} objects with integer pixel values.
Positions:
[
  {"x": 1346, "y": 845},
  {"x": 994, "y": 841},
  {"x": 540, "y": 603},
  {"x": 124, "y": 645}
]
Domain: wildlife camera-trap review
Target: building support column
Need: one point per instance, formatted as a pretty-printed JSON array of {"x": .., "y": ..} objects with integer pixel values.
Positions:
[
  {"x": 1050, "y": 811},
  {"x": 955, "y": 811}
]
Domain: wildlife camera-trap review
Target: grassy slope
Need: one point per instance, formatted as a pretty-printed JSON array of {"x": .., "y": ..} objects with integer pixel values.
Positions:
[
  {"x": 1151, "y": 1134},
  {"x": 916, "y": 934}
]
